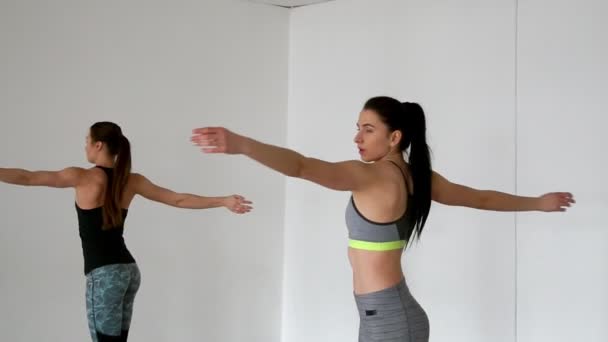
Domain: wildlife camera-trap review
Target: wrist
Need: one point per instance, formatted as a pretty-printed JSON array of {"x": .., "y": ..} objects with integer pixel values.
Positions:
[
  {"x": 246, "y": 145},
  {"x": 538, "y": 203}
]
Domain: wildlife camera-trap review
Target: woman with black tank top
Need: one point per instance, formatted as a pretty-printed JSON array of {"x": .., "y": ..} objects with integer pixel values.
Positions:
[
  {"x": 103, "y": 195},
  {"x": 390, "y": 203}
]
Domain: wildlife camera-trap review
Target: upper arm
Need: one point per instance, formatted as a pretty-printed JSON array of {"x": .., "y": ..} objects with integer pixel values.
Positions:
[
  {"x": 66, "y": 178},
  {"x": 448, "y": 193},
  {"x": 153, "y": 192},
  {"x": 349, "y": 175}
]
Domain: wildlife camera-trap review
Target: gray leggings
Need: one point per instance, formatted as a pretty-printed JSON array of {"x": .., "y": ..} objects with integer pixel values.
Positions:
[
  {"x": 391, "y": 315},
  {"x": 110, "y": 295}
]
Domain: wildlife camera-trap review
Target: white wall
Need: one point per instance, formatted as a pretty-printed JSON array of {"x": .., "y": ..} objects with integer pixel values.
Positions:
[
  {"x": 159, "y": 69},
  {"x": 563, "y": 259},
  {"x": 458, "y": 61}
]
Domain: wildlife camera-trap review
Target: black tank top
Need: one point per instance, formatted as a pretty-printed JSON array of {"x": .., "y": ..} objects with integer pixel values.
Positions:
[{"x": 101, "y": 247}]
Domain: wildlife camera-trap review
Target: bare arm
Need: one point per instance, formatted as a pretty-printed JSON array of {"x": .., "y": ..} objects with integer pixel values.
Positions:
[
  {"x": 448, "y": 193},
  {"x": 151, "y": 191},
  {"x": 345, "y": 176},
  {"x": 66, "y": 178}
]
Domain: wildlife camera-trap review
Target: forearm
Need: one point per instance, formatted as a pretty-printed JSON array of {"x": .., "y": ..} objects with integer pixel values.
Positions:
[
  {"x": 190, "y": 201},
  {"x": 280, "y": 159},
  {"x": 15, "y": 176},
  {"x": 500, "y": 201}
]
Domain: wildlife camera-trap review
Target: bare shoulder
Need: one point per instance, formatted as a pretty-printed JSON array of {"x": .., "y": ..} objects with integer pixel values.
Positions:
[
  {"x": 381, "y": 175},
  {"x": 64, "y": 178},
  {"x": 394, "y": 170},
  {"x": 78, "y": 174},
  {"x": 348, "y": 175},
  {"x": 75, "y": 170},
  {"x": 439, "y": 180},
  {"x": 136, "y": 180},
  {"x": 368, "y": 170},
  {"x": 94, "y": 171},
  {"x": 397, "y": 173},
  {"x": 93, "y": 175},
  {"x": 358, "y": 165}
]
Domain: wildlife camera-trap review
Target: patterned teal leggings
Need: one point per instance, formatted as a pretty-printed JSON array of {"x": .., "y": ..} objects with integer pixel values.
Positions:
[{"x": 110, "y": 294}]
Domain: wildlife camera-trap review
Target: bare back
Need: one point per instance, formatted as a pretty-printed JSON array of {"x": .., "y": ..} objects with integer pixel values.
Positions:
[
  {"x": 91, "y": 190},
  {"x": 386, "y": 201}
]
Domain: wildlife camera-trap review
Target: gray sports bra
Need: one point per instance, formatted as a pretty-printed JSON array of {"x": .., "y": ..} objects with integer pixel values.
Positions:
[{"x": 374, "y": 236}]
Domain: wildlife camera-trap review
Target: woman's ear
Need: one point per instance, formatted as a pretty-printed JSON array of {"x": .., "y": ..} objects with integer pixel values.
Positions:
[
  {"x": 396, "y": 138},
  {"x": 98, "y": 145}
]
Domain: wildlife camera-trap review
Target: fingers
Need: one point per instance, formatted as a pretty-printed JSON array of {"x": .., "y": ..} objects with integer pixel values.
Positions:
[
  {"x": 245, "y": 208},
  {"x": 241, "y": 205},
  {"x": 214, "y": 140},
  {"x": 207, "y": 130},
  {"x": 562, "y": 200},
  {"x": 567, "y": 199},
  {"x": 207, "y": 136},
  {"x": 201, "y": 140},
  {"x": 210, "y": 145},
  {"x": 568, "y": 196},
  {"x": 244, "y": 201},
  {"x": 241, "y": 209}
]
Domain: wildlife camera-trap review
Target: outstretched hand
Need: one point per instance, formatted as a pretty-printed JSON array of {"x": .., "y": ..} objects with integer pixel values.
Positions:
[
  {"x": 556, "y": 201},
  {"x": 237, "y": 204},
  {"x": 218, "y": 140}
]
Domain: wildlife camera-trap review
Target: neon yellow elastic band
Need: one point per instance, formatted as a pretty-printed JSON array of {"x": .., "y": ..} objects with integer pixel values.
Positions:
[{"x": 377, "y": 246}]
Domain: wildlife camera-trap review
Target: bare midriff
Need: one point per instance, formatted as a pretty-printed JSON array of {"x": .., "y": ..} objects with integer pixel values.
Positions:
[{"x": 375, "y": 270}]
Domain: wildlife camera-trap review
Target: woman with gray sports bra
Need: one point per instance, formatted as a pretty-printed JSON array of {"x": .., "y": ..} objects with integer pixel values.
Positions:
[
  {"x": 390, "y": 203},
  {"x": 103, "y": 196}
]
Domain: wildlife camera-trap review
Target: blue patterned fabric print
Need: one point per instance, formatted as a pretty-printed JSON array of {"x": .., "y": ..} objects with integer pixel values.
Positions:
[{"x": 110, "y": 295}]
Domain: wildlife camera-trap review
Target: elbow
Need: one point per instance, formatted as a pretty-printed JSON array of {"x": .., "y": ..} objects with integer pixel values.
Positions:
[
  {"x": 299, "y": 170},
  {"x": 484, "y": 201},
  {"x": 297, "y": 173},
  {"x": 179, "y": 201},
  {"x": 26, "y": 180}
]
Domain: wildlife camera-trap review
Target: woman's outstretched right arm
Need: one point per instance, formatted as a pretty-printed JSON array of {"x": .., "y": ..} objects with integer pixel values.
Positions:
[{"x": 348, "y": 175}]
